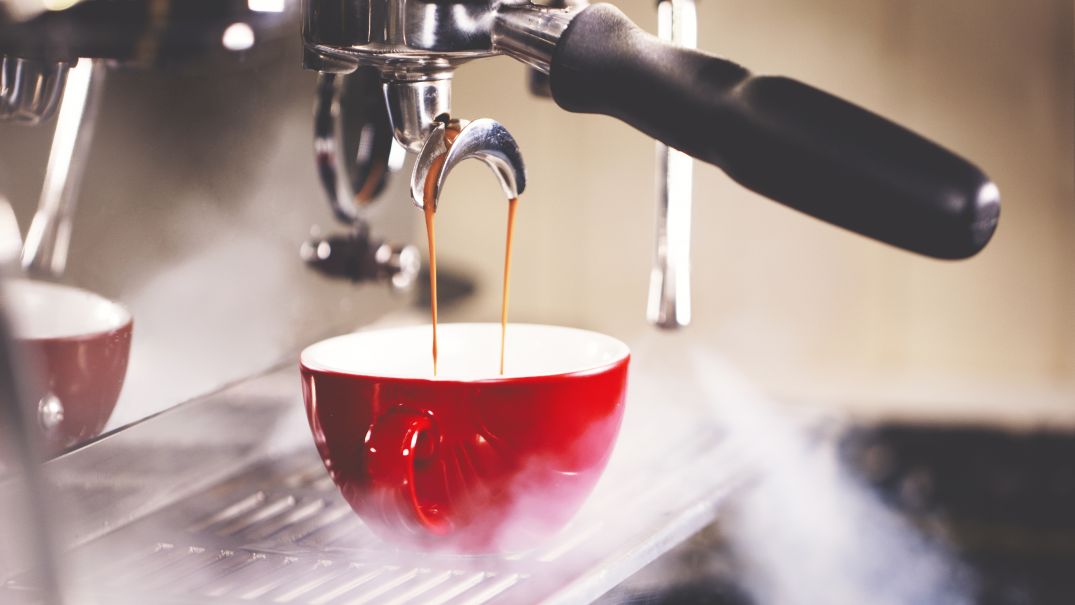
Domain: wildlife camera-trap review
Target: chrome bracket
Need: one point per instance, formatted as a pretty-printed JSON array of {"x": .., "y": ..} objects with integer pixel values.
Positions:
[{"x": 669, "y": 304}]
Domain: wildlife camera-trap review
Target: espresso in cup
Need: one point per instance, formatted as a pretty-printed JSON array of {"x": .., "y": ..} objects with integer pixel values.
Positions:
[{"x": 470, "y": 459}]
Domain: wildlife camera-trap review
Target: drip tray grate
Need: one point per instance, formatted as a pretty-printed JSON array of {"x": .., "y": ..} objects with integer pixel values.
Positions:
[{"x": 279, "y": 532}]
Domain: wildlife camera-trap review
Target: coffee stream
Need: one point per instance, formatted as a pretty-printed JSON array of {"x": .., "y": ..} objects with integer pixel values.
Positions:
[
  {"x": 431, "y": 179},
  {"x": 430, "y": 212},
  {"x": 431, "y": 236},
  {"x": 512, "y": 203}
]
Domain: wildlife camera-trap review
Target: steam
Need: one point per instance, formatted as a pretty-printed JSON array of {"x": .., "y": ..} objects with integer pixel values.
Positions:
[
  {"x": 177, "y": 313},
  {"x": 807, "y": 531}
]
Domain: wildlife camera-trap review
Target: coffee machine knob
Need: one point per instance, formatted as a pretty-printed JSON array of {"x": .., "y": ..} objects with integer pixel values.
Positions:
[
  {"x": 399, "y": 264},
  {"x": 358, "y": 257},
  {"x": 49, "y": 412}
]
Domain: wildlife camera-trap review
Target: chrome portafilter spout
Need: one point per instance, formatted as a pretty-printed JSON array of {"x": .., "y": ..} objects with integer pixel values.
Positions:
[{"x": 483, "y": 139}]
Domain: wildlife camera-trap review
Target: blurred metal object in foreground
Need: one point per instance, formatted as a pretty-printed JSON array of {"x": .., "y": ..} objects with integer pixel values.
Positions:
[{"x": 31, "y": 540}]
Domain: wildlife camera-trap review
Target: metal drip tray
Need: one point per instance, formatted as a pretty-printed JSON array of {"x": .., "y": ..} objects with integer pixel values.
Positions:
[{"x": 277, "y": 531}]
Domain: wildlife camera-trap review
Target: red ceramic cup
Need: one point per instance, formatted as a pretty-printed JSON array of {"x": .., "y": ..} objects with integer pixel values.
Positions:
[
  {"x": 75, "y": 345},
  {"x": 469, "y": 460}
]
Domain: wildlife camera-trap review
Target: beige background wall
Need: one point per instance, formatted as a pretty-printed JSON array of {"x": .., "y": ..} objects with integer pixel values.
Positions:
[{"x": 804, "y": 308}]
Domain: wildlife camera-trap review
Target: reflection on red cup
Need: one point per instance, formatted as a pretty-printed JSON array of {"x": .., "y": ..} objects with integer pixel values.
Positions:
[
  {"x": 75, "y": 345},
  {"x": 470, "y": 460}
]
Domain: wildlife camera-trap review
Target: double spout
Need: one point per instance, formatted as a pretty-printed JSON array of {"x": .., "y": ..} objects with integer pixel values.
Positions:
[{"x": 485, "y": 140}]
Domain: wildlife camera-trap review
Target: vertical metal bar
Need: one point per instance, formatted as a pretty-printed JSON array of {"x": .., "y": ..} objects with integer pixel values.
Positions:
[
  {"x": 670, "y": 284},
  {"x": 47, "y": 241},
  {"x": 32, "y": 526}
]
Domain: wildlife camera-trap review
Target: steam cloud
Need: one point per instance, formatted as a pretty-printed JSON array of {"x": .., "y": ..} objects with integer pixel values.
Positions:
[{"x": 807, "y": 531}]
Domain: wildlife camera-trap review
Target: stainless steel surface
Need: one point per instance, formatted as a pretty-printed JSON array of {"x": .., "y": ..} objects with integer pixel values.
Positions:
[
  {"x": 483, "y": 139},
  {"x": 328, "y": 153},
  {"x": 669, "y": 303},
  {"x": 30, "y": 90},
  {"x": 415, "y": 105},
  {"x": 529, "y": 33},
  {"x": 353, "y": 144},
  {"x": 49, "y": 237},
  {"x": 416, "y": 45},
  {"x": 527, "y": 39},
  {"x": 353, "y": 172},
  {"x": 277, "y": 531},
  {"x": 399, "y": 34},
  {"x": 130, "y": 474},
  {"x": 410, "y": 35}
]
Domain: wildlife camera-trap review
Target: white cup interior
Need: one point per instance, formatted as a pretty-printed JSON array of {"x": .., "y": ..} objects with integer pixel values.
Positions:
[
  {"x": 467, "y": 351},
  {"x": 42, "y": 310}
]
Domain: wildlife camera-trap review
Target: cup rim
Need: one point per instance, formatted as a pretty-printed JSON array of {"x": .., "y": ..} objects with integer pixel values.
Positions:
[
  {"x": 124, "y": 321},
  {"x": 623, "y": 356}
]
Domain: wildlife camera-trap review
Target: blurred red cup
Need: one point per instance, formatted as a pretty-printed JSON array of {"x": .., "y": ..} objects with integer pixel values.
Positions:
[
  {"x": 470, "y": 460},
  {"x": 75, "y": 345}
]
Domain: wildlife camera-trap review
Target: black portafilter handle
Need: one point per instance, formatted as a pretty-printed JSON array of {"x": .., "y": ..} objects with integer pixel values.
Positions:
[{"x": 778, "y": 137}]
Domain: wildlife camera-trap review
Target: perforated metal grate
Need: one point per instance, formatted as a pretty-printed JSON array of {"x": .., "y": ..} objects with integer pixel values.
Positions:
[{"x": 279, "y": 532}]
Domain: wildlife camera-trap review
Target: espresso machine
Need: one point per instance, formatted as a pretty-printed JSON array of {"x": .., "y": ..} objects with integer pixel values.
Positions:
[
  {"x": 246, "y": 519},
  {"x": 778, "y": 137}
]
